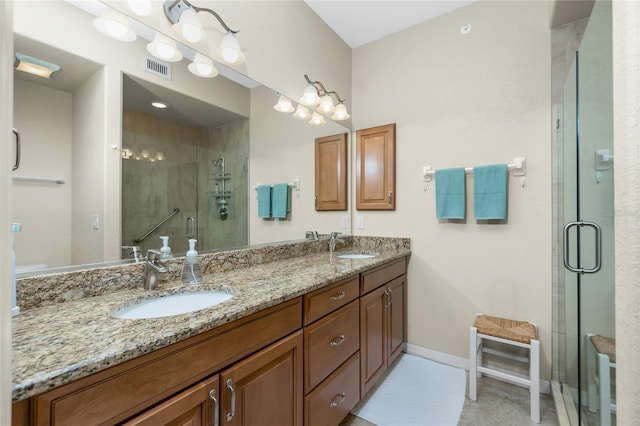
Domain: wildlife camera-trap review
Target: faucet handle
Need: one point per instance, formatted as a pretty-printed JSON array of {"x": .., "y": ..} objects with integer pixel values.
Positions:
[
  {"x": 335, "y": 234},
  {"x": 153, "y": 255}
]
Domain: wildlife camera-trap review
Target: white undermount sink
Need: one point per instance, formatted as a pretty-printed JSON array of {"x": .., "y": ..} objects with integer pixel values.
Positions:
[
  {"x": 174, "y": 304},
  {"x": 356, "y": 255}
]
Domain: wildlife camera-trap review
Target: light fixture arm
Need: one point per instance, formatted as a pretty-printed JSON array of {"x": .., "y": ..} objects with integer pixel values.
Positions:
[
  {"x": 321, "y": 90},
  {"x": 174, "y": 8}
]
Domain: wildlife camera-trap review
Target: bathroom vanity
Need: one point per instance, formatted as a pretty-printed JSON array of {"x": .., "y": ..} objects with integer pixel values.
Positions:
[{"x": 300, "y": 342}]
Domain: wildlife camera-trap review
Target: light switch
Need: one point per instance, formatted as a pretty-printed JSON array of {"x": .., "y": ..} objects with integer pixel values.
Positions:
[
  {"x": 360, "y": 222},
  {"x": 96, "y": 221},
  {"x": 344, "y": 222}
]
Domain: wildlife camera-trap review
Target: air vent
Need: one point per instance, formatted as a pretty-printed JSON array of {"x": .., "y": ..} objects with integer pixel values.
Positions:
[{"x": 157, "y": 67}]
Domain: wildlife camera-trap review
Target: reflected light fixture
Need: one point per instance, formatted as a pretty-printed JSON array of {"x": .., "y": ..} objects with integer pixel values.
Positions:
[
  {"x": 326, "y": 105},
  {"x": 165, "y": 48},
  {"x": 115, "y": 25},
  {"x": 302, "y": 113},
  {"x": 140, "y": 7},
  {"x": 317, "y": 119},
  {"x": 310, "y": 96},
  {"x": 184, "y": 17},
  {"x": 202, "y": 66},
  {"x": 284, "y": 104},
  {"x": 159, "y": 104},
  {"x": 35, "y": 66}
]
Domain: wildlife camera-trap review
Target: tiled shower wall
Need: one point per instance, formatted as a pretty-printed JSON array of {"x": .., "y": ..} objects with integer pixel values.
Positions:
[{"x": 182, "y": 179}]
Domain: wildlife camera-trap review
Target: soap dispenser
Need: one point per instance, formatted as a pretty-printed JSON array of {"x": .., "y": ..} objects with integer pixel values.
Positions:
[
  {"x": 191, "y": 273},
  {"x": 165, "y": 250}
]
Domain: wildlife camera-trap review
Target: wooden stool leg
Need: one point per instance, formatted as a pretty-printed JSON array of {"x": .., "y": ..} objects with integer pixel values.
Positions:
[
  {"x": 473, "y": 364},
  {"x": 605, "y": 390},
  {"x": 534, "y": 378}
]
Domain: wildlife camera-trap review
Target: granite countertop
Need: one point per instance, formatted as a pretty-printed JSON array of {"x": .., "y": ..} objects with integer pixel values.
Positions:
[{"x": 54, "y": 345}]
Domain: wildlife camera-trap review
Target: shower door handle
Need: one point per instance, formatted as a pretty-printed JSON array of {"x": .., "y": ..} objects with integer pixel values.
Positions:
[
  {"x": 598, "y": 247},
  {"x": 17, "y": 163},
  {"x": 190, "y": 228}
]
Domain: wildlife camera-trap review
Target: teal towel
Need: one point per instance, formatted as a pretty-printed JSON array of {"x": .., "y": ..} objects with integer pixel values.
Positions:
[
  {"x": 450, "y": 193},
  {"x": 490, "y": 192},
  {"x": 264, "y": 201},
  {"x": 280, "y": 200}
]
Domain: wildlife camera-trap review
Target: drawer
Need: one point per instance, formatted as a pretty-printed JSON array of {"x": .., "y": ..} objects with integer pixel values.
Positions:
[
  {"x": 330, "y": 402},
  {"x": 329, "y": 342},
  {"x": 382, "y": 275},
  {"x": 321, "y": 302}
]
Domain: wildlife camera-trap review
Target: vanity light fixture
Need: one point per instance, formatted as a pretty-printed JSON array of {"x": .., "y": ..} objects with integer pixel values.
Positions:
[
  {"x": 202, "y": 66},
  {"x": 340, "y": 113},
  {"x": 317, "y": 119},
  {"x": 284, "y": 104},
  {"x": 165, "y": 48},
  {"x": 185, "y": 19},
  {"x": 302, "y": 112},
  {"x": 35, "y": 66},
  {"x": 115, "y": 25},
  {"x": 310, "y": 96}
]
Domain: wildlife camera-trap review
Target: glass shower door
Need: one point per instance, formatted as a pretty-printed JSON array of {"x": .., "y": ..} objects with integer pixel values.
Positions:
[{"x": 588, "y": 242}]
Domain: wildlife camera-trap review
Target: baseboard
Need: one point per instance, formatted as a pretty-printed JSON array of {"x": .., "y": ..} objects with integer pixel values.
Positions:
[{"x": 456, "y": 361}]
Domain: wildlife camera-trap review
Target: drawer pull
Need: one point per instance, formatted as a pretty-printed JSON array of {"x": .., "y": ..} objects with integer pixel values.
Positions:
[
  {"x": 338, "y": 341},
  {"x": 232, "y": 411},
  {"x": 338, "y": 399},
  {"x": 216, "y": 407},
  {"x": 336, "y": 297}
]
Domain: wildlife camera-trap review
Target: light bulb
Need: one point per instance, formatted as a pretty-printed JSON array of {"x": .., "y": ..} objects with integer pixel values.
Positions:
[
  {"x": 164, "y": 48},
  {"x": 302, "y": 113},
  {"x": 284, "y": 104},
  {"x": 144, "y": 153},
  {"x": 140, "y": 7},
  {"x": 317, "y": 119},
  {"x": 229, "y": 50},
  {"x": 326, "y": 105},
  {"x": 202, "y": 66},
  {"x": 340, "y": 113},
  {"x": 191, "y": 26},
  {"x": 310, "y": 96},
  {"x": 115, "y": 25}
]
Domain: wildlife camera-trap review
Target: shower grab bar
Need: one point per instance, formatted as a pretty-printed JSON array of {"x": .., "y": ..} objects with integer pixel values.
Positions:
[
  {"x": 38, "y": 179},
  {"x": 565, "y": 241},
  {"x": 17, "y": 163},
  {"x": 173, "y": 213}
]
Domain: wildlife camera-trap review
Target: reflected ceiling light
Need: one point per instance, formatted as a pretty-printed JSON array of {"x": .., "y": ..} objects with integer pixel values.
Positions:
[
  {"x": 165, "y": 48},
  {"x": 310, "y": 96},
  {"x": 202, "y": 66},
  {"x": 115, "y": 25},
  {"x": 302, "y": 113},
  {"x": 159, "y": 104},
  {"x": 35, "y": 66},
  {"x": 284, "y": 104},
  {"x": 340, "y": 113},
  {"x": 317, "y": 119},
  {"x": 326, "y": 105},
  {"x": 185, "y": 14},
  {"x": 140, "y": 7}
]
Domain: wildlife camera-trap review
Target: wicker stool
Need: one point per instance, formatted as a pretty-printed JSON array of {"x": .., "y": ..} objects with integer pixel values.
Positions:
[
  {"x": 509, "y": 332},
  {"x": 601, "y": 357}
]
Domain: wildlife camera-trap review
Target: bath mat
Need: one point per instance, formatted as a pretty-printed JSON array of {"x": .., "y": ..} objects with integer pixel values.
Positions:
[{"x": 416, "y": 392}]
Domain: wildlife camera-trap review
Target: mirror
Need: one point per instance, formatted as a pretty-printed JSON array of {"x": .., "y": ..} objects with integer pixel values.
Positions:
[{"x": 72, "y": 127}]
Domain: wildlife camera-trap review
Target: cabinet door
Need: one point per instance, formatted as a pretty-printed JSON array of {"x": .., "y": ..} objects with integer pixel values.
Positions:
[
  {"x": 373, "y": 342},
  {"x": 376, "y": 168},
  {"x": 396, "y": 312},
  {"x": 266, "y": 388},
  {"x": 331, "y": 172},
  {"x": 196, "y": 406}
]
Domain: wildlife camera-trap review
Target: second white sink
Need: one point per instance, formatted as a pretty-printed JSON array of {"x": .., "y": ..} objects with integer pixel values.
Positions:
[
  {"x": 355, "y": 256},
  {"x": 174, "y": 304}
]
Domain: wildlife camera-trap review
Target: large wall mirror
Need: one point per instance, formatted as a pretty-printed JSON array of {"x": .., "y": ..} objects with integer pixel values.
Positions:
[{"x": 132, "y": 172}]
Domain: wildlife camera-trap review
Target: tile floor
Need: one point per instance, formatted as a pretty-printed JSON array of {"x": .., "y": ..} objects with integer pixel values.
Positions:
[{"x": 499, "y": 404}]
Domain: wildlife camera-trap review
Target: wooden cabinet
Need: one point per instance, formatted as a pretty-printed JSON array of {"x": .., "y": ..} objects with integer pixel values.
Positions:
[
  {"x": 331, "y": 172},
  {"x": 196, "y": 406},
  {"x": 376, "y": 168},
  {"x": 382, "y": 322},
  {"x": 266, "y": 388}
]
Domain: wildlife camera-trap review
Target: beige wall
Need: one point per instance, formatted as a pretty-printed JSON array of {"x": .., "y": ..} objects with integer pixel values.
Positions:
[
  {"x": 478, "y": 99},
  {"x": 626, "y": 68}
]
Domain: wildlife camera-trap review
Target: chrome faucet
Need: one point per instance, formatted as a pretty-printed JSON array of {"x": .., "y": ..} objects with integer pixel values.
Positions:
[
  {"x": 311, "y": 235},
  {"x": 152, "y": 268},
  {"x": 134, "y": 252},
  {"x": 333, "y": 240}
]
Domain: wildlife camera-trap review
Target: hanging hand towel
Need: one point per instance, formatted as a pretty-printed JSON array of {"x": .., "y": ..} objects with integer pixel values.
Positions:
[
  {"x": 280, "y": 200},
  {"x": 450, "y": 193},
  {"x": 490, "y": 192},
  {"x": 264, "y": 201}
]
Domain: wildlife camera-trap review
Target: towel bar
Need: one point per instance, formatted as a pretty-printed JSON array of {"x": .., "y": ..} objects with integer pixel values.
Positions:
[{"x": 517, "y": 168}]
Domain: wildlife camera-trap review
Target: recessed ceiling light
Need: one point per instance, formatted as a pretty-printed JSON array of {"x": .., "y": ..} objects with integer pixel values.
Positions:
[{"x": 159, "y": 104}]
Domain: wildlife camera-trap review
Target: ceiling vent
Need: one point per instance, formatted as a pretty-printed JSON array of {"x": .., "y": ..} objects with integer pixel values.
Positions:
[{"x": 157, "y": 67}]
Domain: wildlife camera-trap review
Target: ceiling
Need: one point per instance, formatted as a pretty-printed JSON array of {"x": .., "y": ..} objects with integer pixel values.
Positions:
[{"x": 359, "y": 22}]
